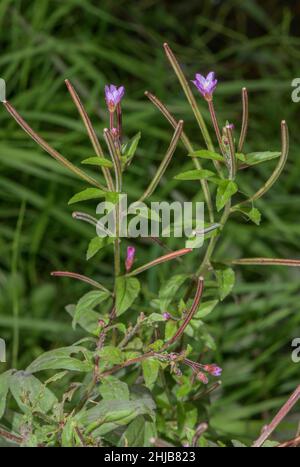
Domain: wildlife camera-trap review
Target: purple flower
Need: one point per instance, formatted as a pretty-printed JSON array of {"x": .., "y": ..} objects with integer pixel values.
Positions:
[
  {"x": 213, "y": 369},
  {"x": 130, "y": 258},
  {"x": 206, "y": 85},
  {"x": 166, "y": 316},
  {"x": 113, "y": 96}
]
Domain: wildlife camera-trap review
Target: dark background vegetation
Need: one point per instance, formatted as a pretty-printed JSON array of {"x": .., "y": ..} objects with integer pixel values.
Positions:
[{"x": 248, "y": 43}]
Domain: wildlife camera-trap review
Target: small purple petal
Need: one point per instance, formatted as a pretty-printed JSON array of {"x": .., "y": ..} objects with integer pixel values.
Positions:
[
  {"x": 206, "y": 86},
  {"x": 113, "y": 96}
]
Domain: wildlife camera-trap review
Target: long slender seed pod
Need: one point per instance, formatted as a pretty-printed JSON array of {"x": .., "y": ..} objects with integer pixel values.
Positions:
[
  {"x": 44, "y": 145},
  {"x": 278, "y": 169},
  {"x": 160, "y": 260},
  {"x": 190, "y": 97},
  {"x": 292, "y": 401},
  {"x": 245, "y": 119},
  {"x": 188, "y": 145},
  {"x": 165, "y": 162},
  {"x": 115, "y": 159},
  {"x": 80, "y": 277},
  {"x": 91, "y": 132},
  {"x": 231, "y": 152},
  {"x": 190, "y": 314}
]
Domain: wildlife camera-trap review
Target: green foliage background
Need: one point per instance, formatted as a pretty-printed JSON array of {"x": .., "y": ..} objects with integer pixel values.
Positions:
[{"x": 94, "y": 43}]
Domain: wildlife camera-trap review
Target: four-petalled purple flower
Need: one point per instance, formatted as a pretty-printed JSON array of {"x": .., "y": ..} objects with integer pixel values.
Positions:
[
  {"x": 213, "y": 369},
  {"x": 130, "y": 258},
  {"x": 113, "y": 96},
  {"x": 206, "y": 85}
]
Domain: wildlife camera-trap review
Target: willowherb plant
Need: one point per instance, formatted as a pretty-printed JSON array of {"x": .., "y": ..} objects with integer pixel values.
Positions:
[{"x": 137, "y": 378}]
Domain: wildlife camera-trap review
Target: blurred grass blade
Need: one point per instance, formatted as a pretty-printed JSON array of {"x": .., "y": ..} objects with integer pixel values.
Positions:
[
  {"x": 267, "y": 262},
  {"x": 15, "y": 297}
]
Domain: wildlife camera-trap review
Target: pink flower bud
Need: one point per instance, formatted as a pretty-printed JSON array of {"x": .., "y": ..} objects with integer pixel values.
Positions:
[
  {"x": 166, "y": 316},
  {"x": 202, "y": 377},
  {"x": 130, "y": 258}
]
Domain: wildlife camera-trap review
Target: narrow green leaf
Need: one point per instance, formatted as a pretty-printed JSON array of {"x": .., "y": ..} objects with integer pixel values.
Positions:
[
  {"x": 205, "y": 154},
  {"x": 60, "y": 359},
  {"x": 205, "y": 308},
  {"x": 4, "y": 386},
  {"x": 112, "y": 388},
  {"x": 129, "y": 148},
  {"x": 30, "y": 394},
  {"x": 168, "y": 291},
  {"x": 127, "y": 290},
  {"x": 110, "y": 354},
  {"x": 254, "y": 158},
  {"x": 225, "y": 191},
  {"x": 226, "y": 280},
  {"x": 96, "y": 244},
  {"x": 99, "y": 161},
  {"x": 150, "y": 371},
  {"x": 252, "y": 213},
  {"x": 195, "y": 175},
  {"x": 88, "y": 193},
  {"x": 88, "y": 302}
]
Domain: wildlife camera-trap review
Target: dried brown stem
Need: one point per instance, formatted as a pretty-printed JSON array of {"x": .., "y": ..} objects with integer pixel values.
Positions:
[{"x": 292, "y": 401}]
